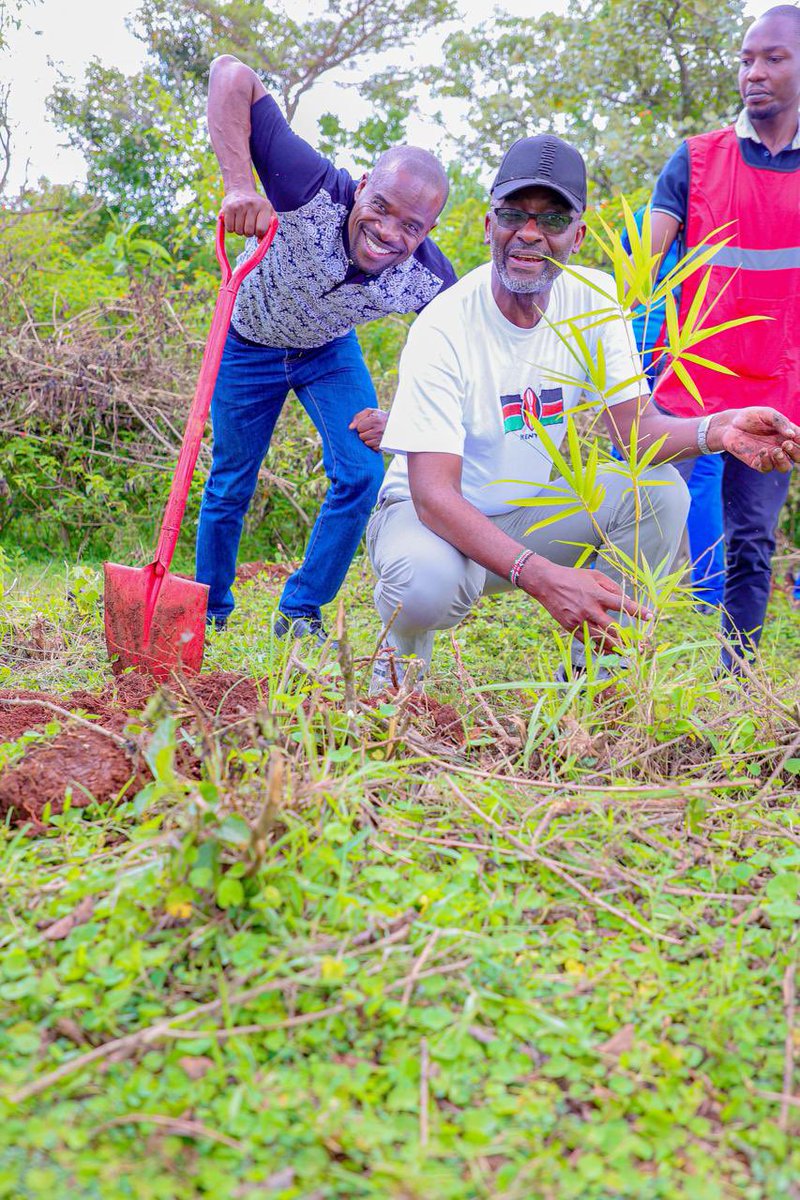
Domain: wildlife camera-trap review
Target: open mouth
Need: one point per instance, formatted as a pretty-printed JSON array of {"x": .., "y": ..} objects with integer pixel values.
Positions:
[
  {"x": 376, "y": 248},
  {"x": 526, "y": 260}
]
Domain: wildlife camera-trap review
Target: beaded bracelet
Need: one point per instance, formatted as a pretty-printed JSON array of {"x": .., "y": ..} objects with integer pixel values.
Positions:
[{"x": 517, "y": 565}]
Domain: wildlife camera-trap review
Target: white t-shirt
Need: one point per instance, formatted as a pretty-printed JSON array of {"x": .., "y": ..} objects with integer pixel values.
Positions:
[{"x": 470, "y": 381}]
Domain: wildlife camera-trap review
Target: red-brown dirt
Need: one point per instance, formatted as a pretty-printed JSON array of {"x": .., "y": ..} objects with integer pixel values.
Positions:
[
  {"x": 264, "y": 572},
  {"x": 441, "y": 721},
  {"x": 96, "y": 766},
  {"x": 88, "y": 761},
  {"x": 85, "y": 761}
]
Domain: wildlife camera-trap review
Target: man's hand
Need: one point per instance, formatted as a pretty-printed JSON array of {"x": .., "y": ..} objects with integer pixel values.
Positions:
[
  {"x": 247, "y": 213},
  {"x": 369, "y": 424},
  {"x": 579, "y": 598},
  {"x": 761, "y": 437}
]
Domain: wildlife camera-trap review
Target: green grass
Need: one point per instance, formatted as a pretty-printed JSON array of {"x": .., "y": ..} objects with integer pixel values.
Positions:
[{"x": 354, "y": 961}]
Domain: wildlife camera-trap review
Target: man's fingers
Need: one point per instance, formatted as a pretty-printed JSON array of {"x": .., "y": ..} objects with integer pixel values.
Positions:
[
  {"x": 615, "y": 600},
  {"x": 783, "y": 424}
]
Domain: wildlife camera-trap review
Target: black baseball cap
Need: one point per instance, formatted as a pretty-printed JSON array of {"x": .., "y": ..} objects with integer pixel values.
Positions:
[{"x": 542, "y": 161}]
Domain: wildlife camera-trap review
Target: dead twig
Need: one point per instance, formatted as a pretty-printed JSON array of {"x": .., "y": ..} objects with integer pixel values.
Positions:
[
  {"x": 557, "y": 869},
  {"x": 418, "y": 965},
  {"x": 182, "y": 1126},
  {"x": 70, "y": 716}
]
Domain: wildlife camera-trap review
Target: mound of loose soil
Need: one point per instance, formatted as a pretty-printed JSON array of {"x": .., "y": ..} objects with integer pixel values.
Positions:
[
  {"x": 87, "y": 761},
  {"x": 441, "y": 721},
  {"x": 96, "y": 766},
  {"x": 446, "y": 720}
]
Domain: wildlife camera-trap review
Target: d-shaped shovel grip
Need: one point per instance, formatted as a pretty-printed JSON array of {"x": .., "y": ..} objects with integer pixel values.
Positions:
[{"x": 209, "y": 369}]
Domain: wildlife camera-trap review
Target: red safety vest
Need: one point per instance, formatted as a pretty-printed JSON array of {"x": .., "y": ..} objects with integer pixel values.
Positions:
[{"x": 762, "y": 263}]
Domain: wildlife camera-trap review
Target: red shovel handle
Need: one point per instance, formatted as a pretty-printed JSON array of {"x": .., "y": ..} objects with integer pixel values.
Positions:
[
  {"x": 231, "y": 279},
  {"x": 209, "y": 369}
]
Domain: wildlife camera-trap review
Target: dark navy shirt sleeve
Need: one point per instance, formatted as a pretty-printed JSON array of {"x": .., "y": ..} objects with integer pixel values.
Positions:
[
  {"x": 291, "y": 171},
  {"x": 671, "y": 193}
]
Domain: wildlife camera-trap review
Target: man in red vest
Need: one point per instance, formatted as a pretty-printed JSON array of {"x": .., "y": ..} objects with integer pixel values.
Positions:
[{"x": 747, "y": 178}]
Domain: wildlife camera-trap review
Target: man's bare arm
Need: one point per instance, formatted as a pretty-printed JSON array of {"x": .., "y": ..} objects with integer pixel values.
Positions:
[
  {"x": 233, "y": 88},
  {"x": 663, "y": 229},
  {"x": 761, "y": 437},
  {"x": 575, "y": 597}
]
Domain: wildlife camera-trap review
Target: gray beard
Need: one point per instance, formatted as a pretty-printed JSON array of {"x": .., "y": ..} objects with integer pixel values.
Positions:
[{"x": 525, "y": 287}]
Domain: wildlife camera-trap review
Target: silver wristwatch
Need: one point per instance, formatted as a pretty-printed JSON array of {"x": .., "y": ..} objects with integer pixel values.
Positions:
[{"x": 702, "y": 434}]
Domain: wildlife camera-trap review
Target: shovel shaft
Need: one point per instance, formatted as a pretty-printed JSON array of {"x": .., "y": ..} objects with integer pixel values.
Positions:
[{"x": 198, "y": 413}]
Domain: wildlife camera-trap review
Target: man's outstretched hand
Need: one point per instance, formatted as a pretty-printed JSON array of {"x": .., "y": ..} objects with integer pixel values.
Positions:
[
  {"x": 579, "y": 598},
  {"x": 247, "y": 213},
  {"x": 369, "y": 424},
  {"x": 762, "y": 438}
]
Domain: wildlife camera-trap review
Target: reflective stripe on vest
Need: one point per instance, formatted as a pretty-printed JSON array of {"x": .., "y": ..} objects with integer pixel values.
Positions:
[{"x": 787, "y": 259}]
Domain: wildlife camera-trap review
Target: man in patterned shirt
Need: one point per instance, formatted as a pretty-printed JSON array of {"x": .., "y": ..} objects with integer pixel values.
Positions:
[{"x": 345, "y": 253}]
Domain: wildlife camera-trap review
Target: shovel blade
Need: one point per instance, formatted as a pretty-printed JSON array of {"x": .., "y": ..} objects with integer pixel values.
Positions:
[{"x": 155, "y": 622}]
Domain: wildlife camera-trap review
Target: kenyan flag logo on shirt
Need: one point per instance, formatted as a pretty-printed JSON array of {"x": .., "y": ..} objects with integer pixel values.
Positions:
[{"x": 519, "y": 412}]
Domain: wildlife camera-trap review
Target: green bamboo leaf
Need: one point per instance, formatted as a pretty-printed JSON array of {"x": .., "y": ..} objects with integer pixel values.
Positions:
[
  {"x": 636, "y": 239},
  {"x": 559, "y": 516},
  {"x": 626, "y": 383},
  {"x": 687, "y": 381},
  {"x": 673, "y": 332},
  {"x": 693, "y": 315},
  {"x": 594, "y": 284},
  {"x": 605, "y": 246},
  {"x": 706, "y": 362},
  {"x": 688, "y": 265},
  {"x": 647, "y": 456},
  {"x": 708, "y": 332}
]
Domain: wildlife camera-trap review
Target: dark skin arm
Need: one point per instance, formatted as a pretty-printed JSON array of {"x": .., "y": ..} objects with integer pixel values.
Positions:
[
  {"x": 664, "y": 228},
  {"x": 233, "y": 89},
  {"x": 762, "y": 438},
  {"x": 574, "y": 596}
]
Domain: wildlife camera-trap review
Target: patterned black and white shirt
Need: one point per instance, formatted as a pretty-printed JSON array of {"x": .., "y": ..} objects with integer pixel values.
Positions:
[{"x": 307, "y": 292}]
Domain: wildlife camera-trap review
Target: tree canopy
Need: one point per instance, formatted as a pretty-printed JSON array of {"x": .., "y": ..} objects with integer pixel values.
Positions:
[
  {"x": 624, "y": 79},
  {"x": 143, "y": 136}
]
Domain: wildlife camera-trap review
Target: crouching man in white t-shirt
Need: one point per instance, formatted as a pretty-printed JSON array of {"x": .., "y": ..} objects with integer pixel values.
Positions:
[{"x": 484, "y": 359}]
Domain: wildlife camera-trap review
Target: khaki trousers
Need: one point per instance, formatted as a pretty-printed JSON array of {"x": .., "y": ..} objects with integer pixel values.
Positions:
[{"x": 436, "y": 585}]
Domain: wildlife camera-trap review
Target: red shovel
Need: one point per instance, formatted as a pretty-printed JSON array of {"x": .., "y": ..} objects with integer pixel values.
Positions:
[{"x": 156, "y": 621}]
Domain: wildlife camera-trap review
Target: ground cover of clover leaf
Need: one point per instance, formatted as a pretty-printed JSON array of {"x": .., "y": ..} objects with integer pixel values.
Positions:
[{"x": 348, "y": 957}]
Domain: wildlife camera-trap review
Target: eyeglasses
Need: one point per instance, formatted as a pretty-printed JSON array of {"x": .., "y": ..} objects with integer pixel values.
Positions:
[{"x": 517, "y": 218}]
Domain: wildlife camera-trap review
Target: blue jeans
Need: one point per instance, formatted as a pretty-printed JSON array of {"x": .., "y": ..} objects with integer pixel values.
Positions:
[
  {"x": 704, "y": 525},
  {"x": 333, "y": 384},
  {"x": 751, "y": 505}
]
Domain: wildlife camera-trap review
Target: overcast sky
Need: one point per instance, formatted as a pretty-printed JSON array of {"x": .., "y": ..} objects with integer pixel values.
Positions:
[{"x": 65, "y": 34}]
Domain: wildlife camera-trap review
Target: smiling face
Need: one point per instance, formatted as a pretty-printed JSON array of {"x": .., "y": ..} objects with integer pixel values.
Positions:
[
  {"x": 769, "y": 68},
  {"x": 394, "y": 211},
  {"x": 521, "y": 258}
]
